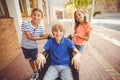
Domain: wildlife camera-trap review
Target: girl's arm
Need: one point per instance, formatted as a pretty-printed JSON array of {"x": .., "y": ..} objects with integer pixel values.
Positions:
[
  {"x": 30, "y": 37},
  {"x": 83, "y": 37}
]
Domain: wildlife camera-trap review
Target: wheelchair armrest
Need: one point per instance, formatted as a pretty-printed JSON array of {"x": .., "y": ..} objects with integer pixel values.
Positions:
[
  {"x": 69, "y": 36},
  {"x": 46, "y": 53},
  {"x": 44, "y": 69},
  {"x": 75, "y": 72},
  {"x": 42, "y": 72}
]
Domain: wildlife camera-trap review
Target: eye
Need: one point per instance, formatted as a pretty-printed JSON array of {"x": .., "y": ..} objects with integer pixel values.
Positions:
[
  {"x": 34, "y": 14},
  {"x": 61, "y": 31},
  {"x": 38, "y": 15}
]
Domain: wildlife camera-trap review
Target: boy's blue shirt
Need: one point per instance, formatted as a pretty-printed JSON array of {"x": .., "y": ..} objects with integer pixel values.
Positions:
[{"x": 59, "y": 53}]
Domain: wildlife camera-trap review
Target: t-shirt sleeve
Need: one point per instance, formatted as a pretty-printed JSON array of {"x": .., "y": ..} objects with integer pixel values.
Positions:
[
  {"x": 70, "y": 44},
  {"x": 24, "y": 26},
  {"x": 47, "y": 45},
  {"x": 41, "y": 29},
  {"x": 89, "y": 27}
]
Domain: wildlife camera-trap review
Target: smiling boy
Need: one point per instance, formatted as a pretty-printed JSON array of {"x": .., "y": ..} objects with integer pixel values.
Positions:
[{"x": 59, "y": 48}]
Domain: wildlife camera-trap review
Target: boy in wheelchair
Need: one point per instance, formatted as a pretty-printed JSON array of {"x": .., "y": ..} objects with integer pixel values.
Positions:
[{"x": 59, "y": 63}]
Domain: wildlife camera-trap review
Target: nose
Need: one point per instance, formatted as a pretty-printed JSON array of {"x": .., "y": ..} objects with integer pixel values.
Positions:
[
  {"x": 79, "y": 17},
  {"x": 35, "y": 16},
  {"x": 58, "y": 32}
]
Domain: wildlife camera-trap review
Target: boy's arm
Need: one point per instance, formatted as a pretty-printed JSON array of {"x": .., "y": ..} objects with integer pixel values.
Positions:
[
  {"x": 41, "y": 60},
  {"x": 76, "y": 61}
]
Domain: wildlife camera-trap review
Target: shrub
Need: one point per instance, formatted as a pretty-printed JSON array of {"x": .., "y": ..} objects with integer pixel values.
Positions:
[{"x": 96, "y": 13}]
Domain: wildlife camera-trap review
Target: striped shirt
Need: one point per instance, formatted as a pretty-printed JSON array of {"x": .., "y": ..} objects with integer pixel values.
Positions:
[{"x": 27, "y": 26}]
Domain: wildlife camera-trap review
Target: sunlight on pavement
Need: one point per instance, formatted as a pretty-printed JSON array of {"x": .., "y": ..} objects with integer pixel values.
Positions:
[
  {"x": 109, "y": 21},
  {"x": 114, "y": 41},
  {"x": 107, "y": 67}
]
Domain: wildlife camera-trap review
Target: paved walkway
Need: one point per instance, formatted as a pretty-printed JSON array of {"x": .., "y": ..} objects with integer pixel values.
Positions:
[{"x": 93, "y": 66}]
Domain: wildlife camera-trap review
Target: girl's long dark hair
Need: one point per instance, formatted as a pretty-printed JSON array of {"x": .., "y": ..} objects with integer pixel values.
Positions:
[{"x": 76, "y": 22}]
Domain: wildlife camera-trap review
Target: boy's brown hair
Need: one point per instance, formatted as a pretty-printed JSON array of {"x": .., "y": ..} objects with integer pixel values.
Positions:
[
  {"x": 37, "y": 9},
  {"x": 57, "y": 27}
]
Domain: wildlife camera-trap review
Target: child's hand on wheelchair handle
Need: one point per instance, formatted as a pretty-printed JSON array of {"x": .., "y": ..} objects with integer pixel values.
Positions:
[{"x": 41, "y": 60}]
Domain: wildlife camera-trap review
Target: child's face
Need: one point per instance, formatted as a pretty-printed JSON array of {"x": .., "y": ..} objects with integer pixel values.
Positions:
[
  {"x": 79, "y": 16},
  {"x": 58, "y": 34},
  {"x": 36, "y": 16}
]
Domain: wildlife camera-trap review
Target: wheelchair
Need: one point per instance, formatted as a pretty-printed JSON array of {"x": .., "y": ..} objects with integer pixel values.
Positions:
[{"x": 42, "y": 71}]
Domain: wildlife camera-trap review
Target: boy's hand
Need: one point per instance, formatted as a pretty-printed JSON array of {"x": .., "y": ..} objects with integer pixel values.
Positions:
[
  {"x": 41, "y": 60},
  {"x": 46, "y": 36},
  {"x": 76, "y": 61}
]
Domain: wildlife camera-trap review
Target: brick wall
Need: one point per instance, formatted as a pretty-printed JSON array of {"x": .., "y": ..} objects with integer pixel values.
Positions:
[{"x": 9, "y": 45}]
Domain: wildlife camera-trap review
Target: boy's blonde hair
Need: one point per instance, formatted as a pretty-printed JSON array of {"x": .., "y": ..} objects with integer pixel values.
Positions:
[{"x": 57, "y": 27}]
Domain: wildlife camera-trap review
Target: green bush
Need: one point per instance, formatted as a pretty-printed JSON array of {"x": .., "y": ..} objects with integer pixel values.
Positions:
[{"x": 96, "y": 13}]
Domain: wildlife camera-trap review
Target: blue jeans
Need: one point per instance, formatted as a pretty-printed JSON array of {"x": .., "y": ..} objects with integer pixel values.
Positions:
[
  {"x": 64, "y": 72},
  {"x": 80, "y": 48}
]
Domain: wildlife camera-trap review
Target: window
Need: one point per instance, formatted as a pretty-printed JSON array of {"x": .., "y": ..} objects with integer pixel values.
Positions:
[{"x": 3, "y": 9}]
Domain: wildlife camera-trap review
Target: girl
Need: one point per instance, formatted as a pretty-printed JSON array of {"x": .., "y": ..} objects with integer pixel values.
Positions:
[
  {"x": 31, "y": 32},
  {"x": 81, "y": 30}
]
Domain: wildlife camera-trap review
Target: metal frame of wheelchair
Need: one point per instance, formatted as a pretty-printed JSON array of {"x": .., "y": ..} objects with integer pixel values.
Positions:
[{"x": 42, "y": 71}]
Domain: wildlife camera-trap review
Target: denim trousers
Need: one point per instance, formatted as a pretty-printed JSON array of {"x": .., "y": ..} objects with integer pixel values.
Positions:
[
  {"x": 80, "y": 48},
  {"x": 64, "y": 72}
]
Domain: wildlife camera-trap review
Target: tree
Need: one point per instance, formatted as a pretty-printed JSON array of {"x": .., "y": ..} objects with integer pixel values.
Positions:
[
  {"x": 107, "y": 5},
  {"x": 83, "y": 5},
  {"x": 80, "y": 4},
  {"x": 92, "y": 11}
]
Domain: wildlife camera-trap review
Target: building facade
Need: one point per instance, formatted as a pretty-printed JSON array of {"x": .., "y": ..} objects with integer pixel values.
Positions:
[{"x": 13, "y": 12}]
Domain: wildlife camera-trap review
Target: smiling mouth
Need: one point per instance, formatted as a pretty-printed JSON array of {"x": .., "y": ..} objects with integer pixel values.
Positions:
[
  {"x": 35, "y": 20},
  {"x": 57, "y": 36}
]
